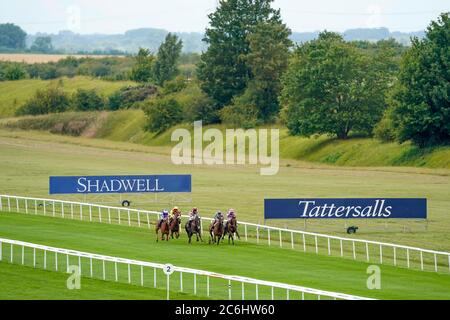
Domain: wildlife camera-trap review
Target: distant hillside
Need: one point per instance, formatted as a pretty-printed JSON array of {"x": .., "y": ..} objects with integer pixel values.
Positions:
[{"x": 132, "y": 40}]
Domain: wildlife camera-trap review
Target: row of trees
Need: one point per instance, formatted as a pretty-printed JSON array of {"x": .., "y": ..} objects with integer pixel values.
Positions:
[
  {"x": 13, "y": 38},
  {"x": 325, "y": 86}
]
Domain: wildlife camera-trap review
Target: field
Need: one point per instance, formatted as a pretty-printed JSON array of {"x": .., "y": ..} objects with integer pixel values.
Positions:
[
  {"x": 14, "y": 93},
  {"x": 28, "y": 158},
  {"x": 41, "y": 58},
  {"x": 261, "y": 262}
]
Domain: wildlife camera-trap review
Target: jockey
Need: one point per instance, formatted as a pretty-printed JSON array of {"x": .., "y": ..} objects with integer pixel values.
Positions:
[
  {"x": 231, "y": 214},
  {"x": 164, "y": 217},
  {"x": 174, "y": 211},
  {"x": 217, "y": 217},
  {"x": 193, "y": 214}
]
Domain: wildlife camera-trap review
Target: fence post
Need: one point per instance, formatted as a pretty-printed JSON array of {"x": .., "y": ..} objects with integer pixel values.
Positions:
[
  {"x": 79, "y": 264},
  {"x": 23, "y": 255},
  {"x": 109, "y": 215},
  {"x": 118, "y": 214},
  {"x": 367, "y": 252},
  {"x": 67, "y": 263},
  {"x": 317, "y": 246},
  {"x": 115, "y": 272},
  {"x": 181, "y": 281},
  {"x": 53, "y": 206},
  {"x": 243, "y": 291},
  {"x": 381, "y": 254},
  {"x": 304, "y": 242},
  {"x": 100, "y": 214},
  {"x": 303, "y": 295},
  {"x": 103, "y": 267},
  {"x": 34, "y": 257},
  {"x": 268, "y": 236},
  {"x": 17, "y": 204},
  {"x": 45, "y": 209},
  {"x": 129, "y": 273},
  {"x": 287, "y": 295},
  {"x": 272, "y": 293},
  {"x": 142, "y": 276},
  {"x": 395, "y": 256},
  {"x": 229, "y": 289},
  {"x": 26, "y": 206},
  {"x": 435, "y": 263},
  {"x": 11, "y": 258},
  {"x": 62, "y": 209},
  {"x": 9, "y": 204},
  {"x": 90, "y": 266},
  {"x": 154, "y": 277},
  {"x": 448, "y": 259},
  {"x": 354, "y": 251},
  {"x": 407, "y": 257},
  {"x": 1, "y": 204},
  {"x": 329, "y": 247},
  {"x": 1, "y": 251},
  {"x": 257, "y": 292},
  {"x": 292, "y": 240},
  {"x": 281, "y": 240},
  {"x": 148, "y": 221},
  {"x": 35, "y": 206},
  {"x": 71, "y": 211},
  {"x": 257, "y": 235},
  {"x": 195, "y": 284},
  {"x": 245, "y": 232},
  {"x": 129, "y": 220},
  {"x": 207, "y": 286},
  {"x": 90, "y": 213},
  {"x": 139, "y": 219}
]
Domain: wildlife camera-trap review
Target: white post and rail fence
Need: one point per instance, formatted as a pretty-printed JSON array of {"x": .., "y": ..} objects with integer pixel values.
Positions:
[
  {"x": 147, "y": 274},
  {"x": 351, "y": 248}
]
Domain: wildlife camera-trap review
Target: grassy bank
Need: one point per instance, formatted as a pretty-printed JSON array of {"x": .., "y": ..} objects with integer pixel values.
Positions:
[
  {"x": 14, "y": 93},
  {"x": 127, "y": 126}
]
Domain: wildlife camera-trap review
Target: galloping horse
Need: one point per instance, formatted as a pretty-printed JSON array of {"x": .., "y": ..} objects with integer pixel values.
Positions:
[
  {"x": 231, "y": 229},
  {"x": 216, "y": 231},
  {"x": 164, "y": 230},
  {"x": 174, "y": 225},
  {"x": 193, "y": 227}
]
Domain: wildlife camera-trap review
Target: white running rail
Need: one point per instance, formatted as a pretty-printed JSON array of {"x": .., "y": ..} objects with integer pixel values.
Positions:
[
  {"x": 364, "y": 250},
  {"x": 47, "y": 257}
]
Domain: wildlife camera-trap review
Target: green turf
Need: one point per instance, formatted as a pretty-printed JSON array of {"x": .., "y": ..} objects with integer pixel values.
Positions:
[
  {"x": 14, "y": 93},
  {"x": 27, "y": 162},
  {"x": 26, "y": 283},
  {"x": 262, "y": 262}
]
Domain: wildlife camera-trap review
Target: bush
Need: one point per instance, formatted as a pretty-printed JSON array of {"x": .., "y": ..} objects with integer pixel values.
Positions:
[
  {"x": 162, "y": 113},
  {"x": 128, "y": 97},
  {"x": 51, "y": 100},
  {"x": 385, "y": 129},
  {"x": 15, "y": 71},
  {"x": 176, "y": 85},
  {"x": 85, "y": 100},
  {"x": 44, "y": 71},
  {"x": 242, "y": 113}
]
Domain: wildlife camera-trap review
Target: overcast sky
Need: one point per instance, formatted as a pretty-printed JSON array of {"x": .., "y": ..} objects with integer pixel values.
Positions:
[{"x": 117, "y": 16}]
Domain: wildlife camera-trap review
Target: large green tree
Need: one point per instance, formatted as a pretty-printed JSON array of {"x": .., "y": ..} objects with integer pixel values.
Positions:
[
  {"x": 12, "y": 36},
  {"x": 332, "y": 87},
  {"x": 142, "y": 70},
  {"x": 421, "y": 100},
  {"x": 166, "y": 65},
  {"x": 223, "y": 70}
]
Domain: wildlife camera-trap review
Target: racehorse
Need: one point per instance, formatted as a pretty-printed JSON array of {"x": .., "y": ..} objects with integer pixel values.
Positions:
[
  {"x": 174, "y": 225},
  {"x": 231, "y": 229},
  {"x": 164, "y": 230},
  {"x": 216, "y": 231},
  {"x": 194, "y": 227}
]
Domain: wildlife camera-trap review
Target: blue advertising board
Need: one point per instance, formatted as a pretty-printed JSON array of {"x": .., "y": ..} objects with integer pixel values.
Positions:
[
  {"x": 374, "y": 208},
  {"x": 120, "y": 184}
]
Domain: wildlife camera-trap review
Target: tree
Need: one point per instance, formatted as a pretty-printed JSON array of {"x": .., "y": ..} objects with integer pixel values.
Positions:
[
  {"x": 142, "y": 70},
  {"x": 166, "y": 65},
  {"x": 86, "y": 100},
  {"x": 50, "y": 100},
  {"x": 42, "y": 44},
  {"x": 162, "y": 113},
  {"x": 223, "y": 71},
  {"x": 12, "y": 36},
  {"x": 331, "y": 87},
  {"x": 421, "y": 104},
  {"x": 267, "y": 59}
]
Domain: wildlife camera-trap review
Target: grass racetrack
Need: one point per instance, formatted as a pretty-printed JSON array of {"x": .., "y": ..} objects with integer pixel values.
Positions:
[{"x": 244, "y": 259}]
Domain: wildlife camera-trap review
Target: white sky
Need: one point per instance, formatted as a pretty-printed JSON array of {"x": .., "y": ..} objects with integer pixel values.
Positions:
[{"x": 117, "y": 16}]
